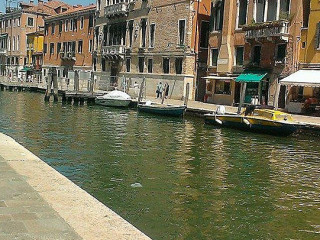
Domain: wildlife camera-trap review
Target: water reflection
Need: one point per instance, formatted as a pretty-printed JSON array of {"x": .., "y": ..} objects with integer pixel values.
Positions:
[{"x": 198, "y": 182}]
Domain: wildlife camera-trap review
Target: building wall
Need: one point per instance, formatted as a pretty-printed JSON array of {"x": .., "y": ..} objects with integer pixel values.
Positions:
[
  {"x": 166, "y": 15},
  {"x": 309, "y": 49},
  {"x": 81, "y": 61}
]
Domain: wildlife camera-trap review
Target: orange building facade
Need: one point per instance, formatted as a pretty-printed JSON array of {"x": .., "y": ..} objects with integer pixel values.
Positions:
[
  {"x": 68, "y": 46},
  {"x": 252, "y": 38}
]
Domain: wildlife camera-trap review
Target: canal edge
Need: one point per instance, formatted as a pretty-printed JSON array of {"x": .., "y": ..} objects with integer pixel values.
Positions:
[{"x": 88, "y": 217}]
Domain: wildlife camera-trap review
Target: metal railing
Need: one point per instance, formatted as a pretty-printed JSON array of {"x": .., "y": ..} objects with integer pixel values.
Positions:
[
  {"x": 116, "y": 9},
  {"x": 113, "y": 50},
  {"x": 269, "y": 29}
]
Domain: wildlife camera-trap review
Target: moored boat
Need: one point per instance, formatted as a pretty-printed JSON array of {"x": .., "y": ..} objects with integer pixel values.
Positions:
[
  {"x": 256, "y": 120},
  {"x": 162, "y": 109},
  {"x": 114, "y": 99}
]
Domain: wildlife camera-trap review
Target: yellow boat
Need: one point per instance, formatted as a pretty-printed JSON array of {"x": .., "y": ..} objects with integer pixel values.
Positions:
[{"x": 257, "y": 120}]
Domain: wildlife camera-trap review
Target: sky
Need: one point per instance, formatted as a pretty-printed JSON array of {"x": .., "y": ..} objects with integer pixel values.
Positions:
[{"x": 71, "y": 2}]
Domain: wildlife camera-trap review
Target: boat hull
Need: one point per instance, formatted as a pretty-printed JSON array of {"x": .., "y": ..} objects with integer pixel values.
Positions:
[
  {"x": 113, "y": 102},
  {"x": 252, "y": 124},
  {"x": 174, "y": 111}
]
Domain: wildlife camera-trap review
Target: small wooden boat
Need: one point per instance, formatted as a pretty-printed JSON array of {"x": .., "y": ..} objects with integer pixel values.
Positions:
[
  {"x": 114, "y": 99},
  {"x": 257, "y": 120},
  {"x": 162, "y": 109}
]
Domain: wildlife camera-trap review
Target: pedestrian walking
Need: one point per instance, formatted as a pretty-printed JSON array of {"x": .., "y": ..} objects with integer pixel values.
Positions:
[
  {"x": 166, "y": 90},
  {"x": 159, "y": 90}
]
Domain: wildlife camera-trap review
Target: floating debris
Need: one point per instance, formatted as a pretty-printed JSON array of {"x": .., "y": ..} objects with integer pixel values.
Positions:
[{"x": 136, "y": 185}]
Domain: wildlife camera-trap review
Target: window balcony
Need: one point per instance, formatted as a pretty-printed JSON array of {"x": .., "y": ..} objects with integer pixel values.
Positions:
[
  {"x": 115, "y": 51},
  {"x": 267, "y": 30},
  {"x": 118, "y": 9},
  {"x": 3, "y": 51},
  {"x": 68, "y": 55}
]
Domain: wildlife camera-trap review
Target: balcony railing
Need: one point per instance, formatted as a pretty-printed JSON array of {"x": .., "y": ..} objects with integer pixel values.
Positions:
[
  {"x": 268, "y": 29},
  {"x": 114, "y": 51},
  {"x": 68, "y": 55},
  {"x": 3, "y": 51},
  {"x": 118, "y": 9}
]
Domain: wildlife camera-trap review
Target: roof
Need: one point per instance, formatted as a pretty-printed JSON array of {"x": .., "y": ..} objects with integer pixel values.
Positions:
[
  {"x": 74, "y": 9},
  {"x": 304, "y": 78},
  {"x": 251, "y": 76},
  {"x": 49, "y": 8}
]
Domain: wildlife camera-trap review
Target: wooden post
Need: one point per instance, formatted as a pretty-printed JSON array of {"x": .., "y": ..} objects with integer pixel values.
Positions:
[
  {"x": 186, "y": 97},
  {"x": 242, "y": 96},
  {"x": 55, "y": 84},
  {"x": 276, "y": 96},
  {"x": 141, "y": 90}
]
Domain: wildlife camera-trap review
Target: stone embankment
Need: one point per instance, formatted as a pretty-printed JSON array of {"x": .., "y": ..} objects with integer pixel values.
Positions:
[{"x": 37, "y": 202}]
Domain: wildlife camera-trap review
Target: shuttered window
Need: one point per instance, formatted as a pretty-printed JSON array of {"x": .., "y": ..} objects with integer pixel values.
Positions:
[{"x": 316, "y": 39}]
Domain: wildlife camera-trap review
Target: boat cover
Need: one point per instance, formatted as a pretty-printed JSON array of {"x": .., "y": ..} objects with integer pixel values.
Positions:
[
  {"x": 116, "y": 95},
  {"x": 304, "y": 78}
]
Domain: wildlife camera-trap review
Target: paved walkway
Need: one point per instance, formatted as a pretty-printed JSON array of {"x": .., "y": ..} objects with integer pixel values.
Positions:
[
  {"x": 37, "y": 202},
  {"x": 24, "y": 214}
]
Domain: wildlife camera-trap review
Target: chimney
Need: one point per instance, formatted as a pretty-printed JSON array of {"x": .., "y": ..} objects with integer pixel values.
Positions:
[
  {"x": 40, "y": 1},
  {"x": 31, "y": 1}
]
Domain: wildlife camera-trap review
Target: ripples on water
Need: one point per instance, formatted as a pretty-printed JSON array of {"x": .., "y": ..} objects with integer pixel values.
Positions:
[{"x": 198, "y": 182}]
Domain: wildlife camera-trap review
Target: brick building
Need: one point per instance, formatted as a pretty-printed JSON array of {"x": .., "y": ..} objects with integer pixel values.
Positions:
[
  {"x": 258, "y": 37},
  {"x": 15, "y": 24},
  {"x": 157, "y": 40},
  {"x": 68, "y": 43}
]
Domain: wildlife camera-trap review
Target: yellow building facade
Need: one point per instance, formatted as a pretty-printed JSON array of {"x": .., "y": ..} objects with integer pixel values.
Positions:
[
  {"x": 34, "y": 56},
  {"x": 310, "y": 35}
]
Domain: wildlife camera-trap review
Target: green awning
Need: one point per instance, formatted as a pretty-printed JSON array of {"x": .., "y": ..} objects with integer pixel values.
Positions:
[
  {"x": 25, "y": 69},
  {"x": 251, "y": 76}
]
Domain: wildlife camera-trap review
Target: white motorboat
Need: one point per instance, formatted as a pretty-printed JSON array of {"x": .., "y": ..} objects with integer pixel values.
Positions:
[{"x": 114, "y": 99}]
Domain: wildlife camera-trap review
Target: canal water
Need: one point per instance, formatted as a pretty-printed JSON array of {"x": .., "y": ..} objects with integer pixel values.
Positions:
[{"x": 172, "y": 178}]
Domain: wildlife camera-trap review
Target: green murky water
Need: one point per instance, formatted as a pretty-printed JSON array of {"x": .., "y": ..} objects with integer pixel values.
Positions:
[{"x": 198, "y": 182}]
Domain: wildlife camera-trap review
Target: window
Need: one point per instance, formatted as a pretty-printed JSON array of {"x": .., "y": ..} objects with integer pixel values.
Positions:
[
  {"x": 71, "y": 25},
  {"x": 182, "y": 30},
  {"x": 30, "y": 22},
  {"x": 81, "y": 22},
  {"x": 141, "y": 64},
  {"x": 45, "y": 46},
  {"x": 14, "y": 43},
  {"x": 214, "y": 57},
  {"x": 90, "y": 45},
  {"x": 46, "y": 26},
  {"x": 128, "y": 64},
  {"x": 18, "y": 22},
  {"x": 166, "y": 65},
  {"x": 317, "y": 37},
  {"x": 143, "y": 32},
  {"x": 60, "y": 26},
  {"x": 150, "y": 65},
  {"x": 130, "y": 32},
  {"x": 178, "y": 65},
  {"x": 242, "y": 12},
  {"x": 52, "y": 28},
  {"x": 281, "y": 52},
  {"x": 66, "y": 23},
  {"x": 268, "y": 10},
  {"x": 152, "y": 33},
  {"x": 216, "y": 19},
  {"x": 51, "y": 48},
  {"x": 256, "y": 55},
  {"x": 222, "y": 87},
  {"x": 80, "y": 46},
  {"x": 75, "y": 25},
  {"x": 103, "y": 64},
  {"x": 58, "y": 48},
  {"x": 204, "y": 34},
  {"x": 73, "y": 46},
  {"x": 303, "y": 45},
  {"x": 239, "y": 56},
  {"x": 90, "y": 21},
  {"x": 18, "y": 42}
]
